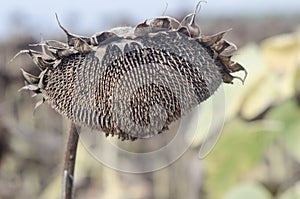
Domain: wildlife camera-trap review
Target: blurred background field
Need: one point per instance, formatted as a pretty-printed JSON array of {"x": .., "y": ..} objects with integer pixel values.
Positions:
[{"x": 257, "y": 155}]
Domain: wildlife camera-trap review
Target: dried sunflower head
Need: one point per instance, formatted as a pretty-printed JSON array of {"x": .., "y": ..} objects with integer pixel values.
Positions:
[{"x": 132, "y": 82}]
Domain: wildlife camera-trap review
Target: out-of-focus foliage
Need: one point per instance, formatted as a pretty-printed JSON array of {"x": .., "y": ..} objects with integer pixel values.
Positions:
[
  {"x": 263, "y": 145},
  {"x": 248, "y": 190}
]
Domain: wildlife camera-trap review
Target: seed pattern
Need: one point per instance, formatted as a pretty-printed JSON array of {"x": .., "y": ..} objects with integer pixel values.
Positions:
[{"x": 132, "y": 82}]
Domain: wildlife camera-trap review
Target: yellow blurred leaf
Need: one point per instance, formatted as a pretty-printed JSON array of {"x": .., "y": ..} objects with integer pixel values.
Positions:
[{"x": 273, "y": 73}]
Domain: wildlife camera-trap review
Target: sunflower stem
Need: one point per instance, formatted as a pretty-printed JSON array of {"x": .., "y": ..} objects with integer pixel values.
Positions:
[{"x": 69, "y": 163}]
